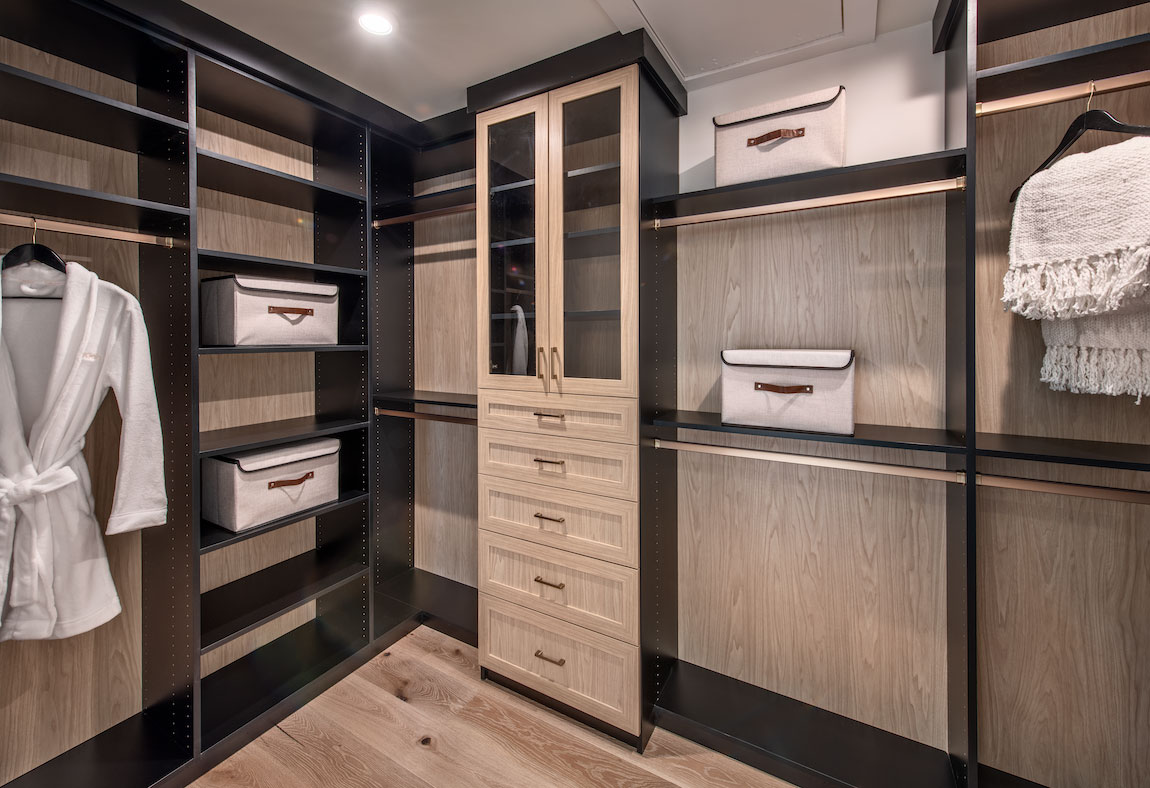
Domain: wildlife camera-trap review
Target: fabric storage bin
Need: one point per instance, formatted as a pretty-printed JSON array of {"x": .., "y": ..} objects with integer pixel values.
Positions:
[
  {"x": 253, "y": 487},
  {"x": 798, "y": 134},
  {"x": 808, "y": 390},
  {"x": 249, "y": 310}
]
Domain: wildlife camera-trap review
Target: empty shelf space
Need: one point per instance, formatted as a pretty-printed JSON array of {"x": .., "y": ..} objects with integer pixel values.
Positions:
[
  {"x": 419, "y": 397},
  {"x": 220, "y": 350},
  {"x": 213, "y": 537},
  {"x": 447, "y": 202},
  {"x": 912, "y": 438},
  {"x": 272, "y": 433},
  {"x": 46, "y": 199},
  {"x": 42, "y": 103},
  {"x": 215, "y": 260},
  {"x": 1111, "y": 59},
  {"x": 587, "y": 244},
  {"x": 1101, "y": 454},
  {"x": 791, "y": 739},
  {"x": 234, "y": 176},
  {"x": 242, "y": 605},
  {"x": 444, "y": 604}
]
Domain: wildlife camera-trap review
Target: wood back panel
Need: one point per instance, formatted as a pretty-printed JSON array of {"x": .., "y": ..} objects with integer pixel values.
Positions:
[{"x": 1062, "y": 38}]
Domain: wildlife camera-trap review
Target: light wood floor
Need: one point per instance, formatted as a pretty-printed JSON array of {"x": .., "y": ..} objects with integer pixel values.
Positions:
[{"x": 418, "y": 716}]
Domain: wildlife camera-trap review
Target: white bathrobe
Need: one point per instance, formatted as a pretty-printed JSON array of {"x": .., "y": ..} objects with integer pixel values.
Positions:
[{"x": 58, "y": 358}]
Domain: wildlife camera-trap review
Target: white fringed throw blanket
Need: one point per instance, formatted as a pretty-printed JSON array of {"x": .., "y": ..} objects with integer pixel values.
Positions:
[{"x": 1080, "y": 262}]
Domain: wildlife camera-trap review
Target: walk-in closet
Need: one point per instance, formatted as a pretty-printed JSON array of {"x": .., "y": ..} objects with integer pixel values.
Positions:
[{"x": 581, "y": 393}]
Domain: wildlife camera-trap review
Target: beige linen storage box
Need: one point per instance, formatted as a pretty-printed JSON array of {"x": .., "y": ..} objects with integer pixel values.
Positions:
[
  {"x": 785, "y": 137},
  {"x": 253, "y": 487},
  {"x": 807, "y": 390},
  {"x": 249, "y": 310}
]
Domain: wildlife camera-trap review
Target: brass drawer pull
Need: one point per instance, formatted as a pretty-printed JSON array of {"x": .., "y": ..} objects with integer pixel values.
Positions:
[
  {"x": 550, "y": 462},
  {"x": 542, "y": 516},
  {"x": 776, "y": 389},
  {"x": 543, "y": 415},
  {"x": 290, "y": 310},
  {"x": 291, "y": 482},
  {"x": 559, "y": 586},
  {"x": 560, "y": 662}
]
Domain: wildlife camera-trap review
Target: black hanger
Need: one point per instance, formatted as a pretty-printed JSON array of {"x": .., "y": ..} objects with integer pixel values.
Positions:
[
  {"x": 33, "y": 253},
  {"x": 1090, "y": 120}
]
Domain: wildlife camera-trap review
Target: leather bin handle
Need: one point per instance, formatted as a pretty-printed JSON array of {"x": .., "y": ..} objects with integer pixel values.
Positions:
[
  {"x": 771, "y": 387},
  {"x": 776, "y": 134},
  {"x": 290, "y": 310},
  {"x": 291, "y": 482}
]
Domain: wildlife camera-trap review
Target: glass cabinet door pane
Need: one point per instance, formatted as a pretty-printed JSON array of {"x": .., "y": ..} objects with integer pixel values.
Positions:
[
  {"x": 591, "y": 237},
  {"x": 511, "y": 235}
]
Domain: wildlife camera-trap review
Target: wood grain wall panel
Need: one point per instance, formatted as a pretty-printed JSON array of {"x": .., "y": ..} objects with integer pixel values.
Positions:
[
  {"x": 1061, "y": 38},
  {"x": 1011, "y": 398},
  {"x": 45, "y": 156},
  {"x": 221, "y": 567},
  {"x": 229, "y": 137},
  {"x": 446, "y": 486},
  {"x": 245, "y": 226},
  {"x": 255, "y": 387},
  {"x": 451, "y": 180},
  {"x": 822, "y": 585},
  {"x": 1064, "y": 638},
  {"x": 867, "y": 277},
  {"x": 18, "y": 55},
  {"x": 55, "y": 694},
  {"x": 260, "y": 636}
]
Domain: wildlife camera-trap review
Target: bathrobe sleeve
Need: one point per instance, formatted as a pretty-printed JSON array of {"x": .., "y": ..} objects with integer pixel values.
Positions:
[{"x": 141, "y": 499}]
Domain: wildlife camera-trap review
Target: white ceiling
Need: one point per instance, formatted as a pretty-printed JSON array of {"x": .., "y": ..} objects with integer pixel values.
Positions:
[{"x": 439, "y": 47}]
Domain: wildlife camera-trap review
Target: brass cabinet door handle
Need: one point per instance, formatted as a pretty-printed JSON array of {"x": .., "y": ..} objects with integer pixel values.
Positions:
[
  {"x": 291, "y": 482},
  {"x": 559, "y": 586},
  {"x": 543, "y": 366},
  {"x": 560, "y": 662},
  {"x": 542, "y": 415},
  {"x": 290, "y": 310},
  {"x": 550, "y": 462},
  {"x": 541, "y": 516},
  {"x": 555, "y": 364}
]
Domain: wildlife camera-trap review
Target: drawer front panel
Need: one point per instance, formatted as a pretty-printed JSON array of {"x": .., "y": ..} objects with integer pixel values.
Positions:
[
  {"x": 591, "y": 418},
  {"x": 584, "y": 466},
  {"x": 590, "y": 525},
  {"x": 594, "y": 673},
  {"x": 585, "y": 591}
]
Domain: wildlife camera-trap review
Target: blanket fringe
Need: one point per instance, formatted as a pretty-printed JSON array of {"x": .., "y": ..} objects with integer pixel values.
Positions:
[
  {"x": 1089, "y": 370},
  {"x": 1077, "y": 288}
]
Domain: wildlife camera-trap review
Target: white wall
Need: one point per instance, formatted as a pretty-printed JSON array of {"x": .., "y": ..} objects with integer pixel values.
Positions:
[{"x": 895, "y": 101}]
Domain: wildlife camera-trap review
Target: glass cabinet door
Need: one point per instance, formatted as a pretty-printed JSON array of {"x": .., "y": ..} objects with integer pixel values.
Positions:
[
  {"x": 594, "y": 236},
  {"x": 511, "y": 206}
]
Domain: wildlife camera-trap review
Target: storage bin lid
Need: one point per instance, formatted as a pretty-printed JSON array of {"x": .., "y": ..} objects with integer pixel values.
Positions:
[
  {"x": 789, "y": 359},
  {"x": 284, "y": 286},
  {"x": 261, "y": 459},
  {"x": 792, "y": 104}
]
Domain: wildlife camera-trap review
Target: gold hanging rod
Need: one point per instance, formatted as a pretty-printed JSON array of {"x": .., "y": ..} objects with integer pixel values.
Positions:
[
  {"x": 1067, "y": 93},
  {"x": 851, "y": 198},
  {"x": 408, "y": 414},
  {"x": 908, "y": 471},
  {"x": 51, "y": 225}
]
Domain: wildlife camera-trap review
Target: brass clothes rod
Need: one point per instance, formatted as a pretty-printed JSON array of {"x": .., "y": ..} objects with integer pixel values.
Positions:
[
  {"x": 1067, "y": 93},
  {"x": 908, "y": 471},
  {"x": 51, "y": 225},
  {"x": 409, "y": 414},
  {"x": 851, "y": 198}
]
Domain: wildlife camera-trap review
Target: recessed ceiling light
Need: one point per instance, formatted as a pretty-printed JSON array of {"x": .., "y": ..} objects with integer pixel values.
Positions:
[{"x": 376, "y": 24}]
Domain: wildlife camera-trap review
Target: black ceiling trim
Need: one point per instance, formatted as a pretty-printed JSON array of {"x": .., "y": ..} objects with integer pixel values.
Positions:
[
  {"x": 598, "y": 57},
  {"x": 947, "y": 15}
]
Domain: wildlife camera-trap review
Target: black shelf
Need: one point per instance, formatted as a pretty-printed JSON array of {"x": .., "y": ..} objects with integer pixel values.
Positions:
[
  {"x": 213, "y": 537},
  {"x": 225, "y": 350},
  {"x": 440, "y": 203},
  {"x": 1099, "y": 454},
  {"x": 42, "y": 103},
  {"x": 513, "y": 242},
  {"x": 232, "y": 262},
  {"x": 243, "y": 690},
  {"x": 234, "y": 176},
  {"x": 239, "y": 607},
  {"x": 823, "y": 183},
  {"x": 272, "y": 433},
  {"x": 46, "y": 199},
  {"x": 443, "y": 604},
  {"x": 416, "y": 397},
  {"x": 1110, "y": 59},
  {"x": 1006, "y": 18},
  {"x": 795, "y": 741},
  {"x": 912, "y": 438},
  {"x": 507, "y": 187},
  {"x": 584, "y": 244}
]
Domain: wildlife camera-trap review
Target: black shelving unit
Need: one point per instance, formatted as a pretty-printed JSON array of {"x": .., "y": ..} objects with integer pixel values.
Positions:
[
  {"x": 1100, "y": 61},
  {"x": 213, "y": 537},
  {"x": 47, "y": 199},
  {"x": 225, "y": 350},
  {"x": 214, "y": 259},
  {"x": 274, "y": 433},
  {"x": 235, "y": 176},
  {"x": 412, "y": 397}
]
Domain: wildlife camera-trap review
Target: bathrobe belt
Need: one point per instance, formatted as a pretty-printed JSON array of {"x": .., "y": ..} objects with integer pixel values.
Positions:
[{"x": 33, "y": 568}]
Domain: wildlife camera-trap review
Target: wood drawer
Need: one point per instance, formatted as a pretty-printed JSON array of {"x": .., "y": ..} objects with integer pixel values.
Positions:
[
  {"x": 591, "y": 525},
  {"x": 598, "y": 675},
  {"x": 585, "y": 591},
  {"x": 592, "y": 418},
  {"x": 584, "y": 466}
]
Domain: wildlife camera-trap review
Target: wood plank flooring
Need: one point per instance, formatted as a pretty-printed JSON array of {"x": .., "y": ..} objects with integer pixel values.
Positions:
[{"x": 419, "y": 716}]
